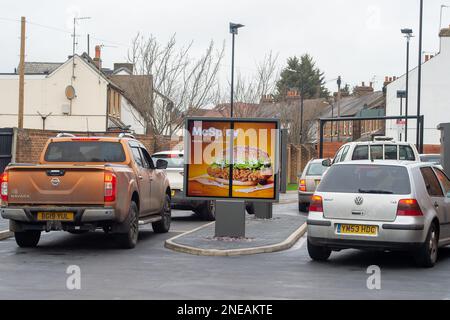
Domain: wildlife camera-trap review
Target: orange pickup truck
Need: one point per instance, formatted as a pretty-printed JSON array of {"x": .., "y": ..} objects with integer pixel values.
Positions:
[{"x": 82, "y": 184}]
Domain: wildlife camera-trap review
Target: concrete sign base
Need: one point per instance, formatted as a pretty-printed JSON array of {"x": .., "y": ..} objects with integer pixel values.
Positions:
[
  {"x": 230, "y": 219},
  {"x": 263, "y": 210}
]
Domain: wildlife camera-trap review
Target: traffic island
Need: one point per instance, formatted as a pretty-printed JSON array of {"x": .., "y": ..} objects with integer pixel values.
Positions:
[{"x": 262, "y": 236}]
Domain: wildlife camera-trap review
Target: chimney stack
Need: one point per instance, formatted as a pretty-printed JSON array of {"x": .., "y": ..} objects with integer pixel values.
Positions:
[{"x": 98, "y": 58}]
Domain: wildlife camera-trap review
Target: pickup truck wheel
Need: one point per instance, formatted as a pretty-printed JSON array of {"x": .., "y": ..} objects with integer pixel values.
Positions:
[
  {"x": 129, "y": 240},
  {"x": 208, "y": 211},
  {"x": 27, "y": 239},
  {"x": 163, "y": 226}
]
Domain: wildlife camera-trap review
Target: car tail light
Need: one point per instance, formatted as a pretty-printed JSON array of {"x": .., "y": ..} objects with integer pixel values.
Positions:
[
  {"x": 110, "y": 187},
  {"x": 316, "y": 204},
  {"x": 409, "y": 207},
  {"x": 4, "y": 186},
  {"x": 302, "y": 186}
]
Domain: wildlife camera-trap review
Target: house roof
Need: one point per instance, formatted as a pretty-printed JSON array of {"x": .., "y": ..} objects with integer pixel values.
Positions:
[
  {"x": 41, "y": 67},
  {"x": 350, "y": 106}
]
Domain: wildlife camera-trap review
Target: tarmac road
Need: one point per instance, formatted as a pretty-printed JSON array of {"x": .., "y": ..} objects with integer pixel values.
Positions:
[{"x": 153, "y": 272}]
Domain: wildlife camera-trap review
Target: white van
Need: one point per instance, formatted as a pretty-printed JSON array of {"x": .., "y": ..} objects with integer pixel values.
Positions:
[{"x": 381, "y": 149}]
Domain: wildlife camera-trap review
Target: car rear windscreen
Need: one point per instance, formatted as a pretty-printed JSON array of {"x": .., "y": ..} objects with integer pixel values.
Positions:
[
  {"x": 173, "y": 161},
  {"x": 351, "y": 178},
  {"x": 316, "y": 169},
  {"x": 84, "y": 151}
]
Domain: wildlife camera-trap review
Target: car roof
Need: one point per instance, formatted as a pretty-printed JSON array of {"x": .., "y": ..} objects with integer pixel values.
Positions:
[
  {"x": 409, "y": 164},
  {"x": 378, "y": 142},
  {"x": 176, "y": 152}
]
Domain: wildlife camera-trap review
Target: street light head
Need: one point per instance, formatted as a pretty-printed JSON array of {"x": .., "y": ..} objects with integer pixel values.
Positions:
[
  {"x": 407, "y": 31},
  {"x": 234, "y": 27}
]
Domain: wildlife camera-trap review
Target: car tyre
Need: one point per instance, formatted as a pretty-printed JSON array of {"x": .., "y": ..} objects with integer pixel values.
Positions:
[
  {"x": 208, "y": 211},
  {"x": 302, "y": 207},
  {"x": 426, "y": 256},
  {"x": 163, "y": 226},
  {"x": 318, "y": 253},
  {"x": 129, "y": 239},
  {"x": 250, "y": 208},
  {"x": 27, "y": 239}
]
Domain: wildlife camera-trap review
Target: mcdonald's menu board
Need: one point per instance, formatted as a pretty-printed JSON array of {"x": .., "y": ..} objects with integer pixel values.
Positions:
[{"x": 231, "y": 158}]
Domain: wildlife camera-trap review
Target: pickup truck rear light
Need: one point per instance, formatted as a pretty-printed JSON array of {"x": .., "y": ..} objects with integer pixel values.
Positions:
[
  {"x": 110, "y": 187},
  {"x": 316, "y": 204},
  {"x": 409, "y": 207},
  {"x": 302, "y": 186},
  {"x": 4, "y": 186}
]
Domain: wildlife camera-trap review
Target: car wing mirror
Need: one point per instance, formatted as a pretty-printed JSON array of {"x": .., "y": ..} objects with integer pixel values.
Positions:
[
  {"x": 161, "y": 164},
  {"x": 326, "y": 163}
]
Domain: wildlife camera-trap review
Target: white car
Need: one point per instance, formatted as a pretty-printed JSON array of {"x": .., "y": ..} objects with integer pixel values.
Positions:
[
  {"x": 381, "y": 149},
  {"x": 175, "y": 174}
]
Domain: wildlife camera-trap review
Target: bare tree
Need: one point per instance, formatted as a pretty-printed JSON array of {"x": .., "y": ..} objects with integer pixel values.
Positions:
[
  {"x": 181, "y": 84},
  {"x": 249, "y": 90}
]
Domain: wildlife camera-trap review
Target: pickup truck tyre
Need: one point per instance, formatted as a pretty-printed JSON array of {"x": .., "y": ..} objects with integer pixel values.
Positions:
[
  {"x": 129, "y": 239},
  {"x": 27, "y": 239},
  {"x": 163, "y": 226}
]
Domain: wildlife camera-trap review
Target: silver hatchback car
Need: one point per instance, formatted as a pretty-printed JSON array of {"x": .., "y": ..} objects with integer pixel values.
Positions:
[
  {"x": 383, "y": 206},
  {"x": 308, "y": 182}
]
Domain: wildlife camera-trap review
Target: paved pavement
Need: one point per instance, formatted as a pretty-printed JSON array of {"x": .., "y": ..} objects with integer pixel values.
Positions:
[
  {"x": 259, "y": 233},
  {"x": 154, "y": 272}
]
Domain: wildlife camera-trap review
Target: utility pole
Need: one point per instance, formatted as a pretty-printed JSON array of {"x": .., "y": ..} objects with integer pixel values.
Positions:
[
  {"x": 419, "y": 83},
  {"x": 22, "y": 72},
  {"x": 339, "y": 83}
]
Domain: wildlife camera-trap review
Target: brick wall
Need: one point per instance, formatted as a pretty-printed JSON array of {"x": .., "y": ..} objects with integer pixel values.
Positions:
[
  {"x": 432, "y": 148},
  {"x": 330, "y": 148},
  {"x": 298, "y": 158},
  {"x": 31, "y": 142}
]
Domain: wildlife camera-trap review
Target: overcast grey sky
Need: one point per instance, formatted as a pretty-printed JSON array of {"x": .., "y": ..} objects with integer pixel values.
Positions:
[{"x": 357, "y": 39}]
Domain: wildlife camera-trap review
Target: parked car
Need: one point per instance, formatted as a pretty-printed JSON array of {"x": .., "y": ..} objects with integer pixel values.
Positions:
[
  {"x": 308, "y": 182},
  {"x": 86, "y": 183},
  {"x": 382, "y": 148},
  {"x": 175, "y": 174},
  {"x": 386, "y": 205},
  {"x": 432, "y": 158}
]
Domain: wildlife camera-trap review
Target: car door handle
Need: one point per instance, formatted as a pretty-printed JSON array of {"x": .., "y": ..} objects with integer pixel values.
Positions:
[
  {"x": 436, "y": 205},
  {"x": 141, "y": 177}
]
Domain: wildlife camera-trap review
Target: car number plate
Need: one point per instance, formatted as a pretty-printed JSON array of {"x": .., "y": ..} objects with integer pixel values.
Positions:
[
  {"x": 55, "y": 216},
  {"x": 357, "y": 229},
  {"x": 317, "y": 183},
  {"x": 173, "y": 193}
]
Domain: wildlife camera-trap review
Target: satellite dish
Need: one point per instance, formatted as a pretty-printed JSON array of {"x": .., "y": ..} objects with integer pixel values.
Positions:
[{"x": 70, "y": 92}]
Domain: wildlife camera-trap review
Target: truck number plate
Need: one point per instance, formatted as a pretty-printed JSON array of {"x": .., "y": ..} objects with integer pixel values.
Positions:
[{"x": 55, "y": 216}]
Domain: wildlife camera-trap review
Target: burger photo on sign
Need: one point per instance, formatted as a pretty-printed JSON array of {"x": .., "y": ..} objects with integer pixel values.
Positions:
[{"x": 252, "y": 167}]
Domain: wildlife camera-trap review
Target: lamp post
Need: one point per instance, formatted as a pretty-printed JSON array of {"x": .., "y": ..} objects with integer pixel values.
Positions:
[
  {"x": 440, "y": 21},
  {"x": 408, "y": 35},
  {"x": 419, "y": 82},
  {"x": 302, "y": 100},
  {"x": 234, "y": 27},
  {"x": 339, "y": 82}
]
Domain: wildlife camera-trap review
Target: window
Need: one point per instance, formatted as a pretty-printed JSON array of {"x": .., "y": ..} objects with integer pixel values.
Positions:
[
  {"x": 85, "y": 151},
  {"x": 174, "y": 161},
  {"x": 377, "y": 179},
  {"x": 344, "y": 153},
  {"x": 376, "y": 152},
  {"x": 406, "y": 153},
  {"x": 147, "y": 159},
  {"x": 445, "y": 182},
  {"x": 137, "y": 157},
  {"x": 316, "y": 169},
  {"x": 390, "y": 152},
  {"x": 337, "y": 158},
  {"x": 361, "y": 153},
  {"x": 431, "y": 182}
]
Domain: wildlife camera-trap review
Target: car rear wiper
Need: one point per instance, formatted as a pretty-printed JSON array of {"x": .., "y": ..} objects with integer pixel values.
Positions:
[{"x": 375, "y": 191}]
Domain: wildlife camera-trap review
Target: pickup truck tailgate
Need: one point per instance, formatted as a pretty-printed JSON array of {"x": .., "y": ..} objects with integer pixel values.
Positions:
[{"x": 50, "y": 185}]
